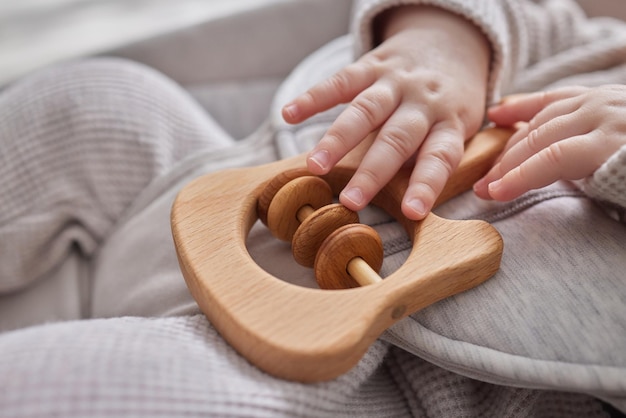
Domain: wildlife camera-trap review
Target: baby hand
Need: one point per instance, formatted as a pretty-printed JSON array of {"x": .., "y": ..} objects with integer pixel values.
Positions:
[
  {"x": 569, "y": 133},
  {"x": 422, "y": 90}
]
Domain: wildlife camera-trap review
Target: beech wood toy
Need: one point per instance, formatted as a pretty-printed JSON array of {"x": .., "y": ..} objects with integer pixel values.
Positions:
[{"x": 312, "y": 335}]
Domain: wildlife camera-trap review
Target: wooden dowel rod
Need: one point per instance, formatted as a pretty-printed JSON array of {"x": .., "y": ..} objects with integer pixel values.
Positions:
[
  {"x": 362, "y": 272},
  {"x": 304, "y": 212}
]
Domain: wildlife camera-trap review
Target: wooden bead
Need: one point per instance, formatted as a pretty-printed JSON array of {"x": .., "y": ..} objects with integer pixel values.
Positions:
[
  {"x": 273, "y": 186},
  {"x": 350, "y": 257},
  {"x": 316, "y": 227},
  {"x": 282, "y": 214}
]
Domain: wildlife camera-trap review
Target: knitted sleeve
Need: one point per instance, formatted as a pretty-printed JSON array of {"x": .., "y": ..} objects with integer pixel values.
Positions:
[
  {"x": 534, "y": 43},
  {"x": 486, "y": 14},
  {"x": 608, "y": 183}
]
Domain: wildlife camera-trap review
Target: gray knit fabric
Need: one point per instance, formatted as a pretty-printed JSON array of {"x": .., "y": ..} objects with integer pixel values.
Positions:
[
  {"x": 173, "y": 367},
  {"x": 84, "y": 141}
]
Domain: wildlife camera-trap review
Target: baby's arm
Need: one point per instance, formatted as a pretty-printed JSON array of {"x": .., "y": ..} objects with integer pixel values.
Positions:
[
  {"x": 567, "y": 134},
  {"x": 423, "y": 89}
]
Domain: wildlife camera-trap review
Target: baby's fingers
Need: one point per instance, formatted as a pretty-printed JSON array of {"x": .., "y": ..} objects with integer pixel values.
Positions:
[
  {"x": 367, "y": 112},
  {"x": 524, "y": 107},
  {"x": 438, "y": 157},
  {"x": 529, "y": 141},
  {"x": 563, "y": 160},
  {"x": 342, "y": 87},
  {"x": 396, "y": 142}
]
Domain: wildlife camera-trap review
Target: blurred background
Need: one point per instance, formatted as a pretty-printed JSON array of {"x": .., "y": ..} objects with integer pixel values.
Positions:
[
  {"x": 224, "y": 52},
  {"x": 37, "y": 32},
  {"x": 231, "y": 55}
]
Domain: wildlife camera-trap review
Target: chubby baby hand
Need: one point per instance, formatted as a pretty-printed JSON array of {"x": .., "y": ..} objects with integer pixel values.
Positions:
[
  {"x": 422, "y": 92},
  {"x": 565, "y": 134}
]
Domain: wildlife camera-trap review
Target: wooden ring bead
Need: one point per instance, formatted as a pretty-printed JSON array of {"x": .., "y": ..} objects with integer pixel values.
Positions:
[
  {"x": 339, "y": 262},
  {"x": 273, "y": 186},
  {"x": 282, "y": 214},
  {"x": 316, "y": 228}
]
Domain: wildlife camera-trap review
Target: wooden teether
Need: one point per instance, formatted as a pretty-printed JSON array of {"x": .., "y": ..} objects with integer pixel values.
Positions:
[{"x": 308, "y": 334}]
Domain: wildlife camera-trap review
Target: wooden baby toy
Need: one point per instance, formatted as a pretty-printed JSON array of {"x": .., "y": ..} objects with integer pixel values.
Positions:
[{"x": 306, "y": 334}]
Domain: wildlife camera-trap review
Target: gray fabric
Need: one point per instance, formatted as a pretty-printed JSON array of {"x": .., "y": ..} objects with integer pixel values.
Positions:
[
  {"x": 79, "y": 143},
  {"x": 553, "y": 316},
  {"x": 181, "y": 367}
]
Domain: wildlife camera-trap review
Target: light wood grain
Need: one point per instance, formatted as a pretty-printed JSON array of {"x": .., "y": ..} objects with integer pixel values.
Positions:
[
  {"x": 362, "y": 272},
  {"x": 300, "y": 193},
  {"x": 308, "y": 334}
]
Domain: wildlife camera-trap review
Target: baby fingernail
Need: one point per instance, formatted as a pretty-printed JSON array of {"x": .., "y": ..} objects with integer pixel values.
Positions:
[
  {"x": 354, "y": 195},
  {"x": 495, "y": 186},
  {"x": 417, "y": 206},
  {"x": 291, "y": 110},
  {"x": 320, "y": 158},
  {"x": 512, "y": 98}
]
